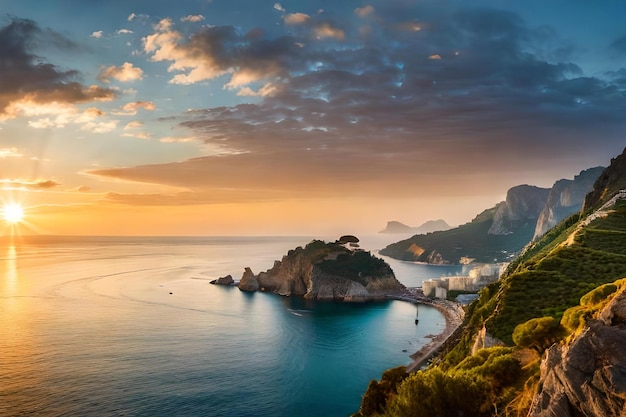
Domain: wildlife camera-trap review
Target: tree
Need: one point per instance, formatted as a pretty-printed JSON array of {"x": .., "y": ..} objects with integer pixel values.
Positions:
[{"x": 538, "y": 333}]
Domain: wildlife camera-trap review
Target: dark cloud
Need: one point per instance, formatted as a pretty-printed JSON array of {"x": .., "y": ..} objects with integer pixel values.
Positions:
[
  {"x": 410, "y": 105},
  {"x": 27, "y": 76},
  {"x": 619, "y": 45}
]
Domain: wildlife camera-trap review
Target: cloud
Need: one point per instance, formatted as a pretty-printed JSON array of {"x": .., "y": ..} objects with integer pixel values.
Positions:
[
  {"x": 364, "y": 11},
  {"x": 124, "y": 32},
  {"x": 174, "y": 139},
  {"x": 139, "y": 135},
  {"x": 55, "y": 114},
  {"x": 326, "y": 30},
  {"x": 619, "y": 45},
  {"x": 100, "y": 127},
  {"x": 381, "y": 117},
  {"x": 98, "y": 34},
  {"x": 279, "y": 7},
  {"x": 141, "y": 17},
  {"x": 124, "y": 73},
  {"x": 296, "y": 18},
  {"x": 218, "y": 50},
  {"x": 135, "y": 124},
  {"x": 130, "y": 109},
  {"x": 10, "y": 153},
  {"x": 41, "y": 184},
  {"x": 192, "y": 18},
  {"x": 28, "y": 79}
]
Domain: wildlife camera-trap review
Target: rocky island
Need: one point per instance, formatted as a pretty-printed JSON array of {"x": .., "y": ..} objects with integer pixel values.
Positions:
[{"x": 335, "y": 271}]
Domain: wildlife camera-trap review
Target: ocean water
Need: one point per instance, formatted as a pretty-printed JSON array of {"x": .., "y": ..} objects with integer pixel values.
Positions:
[{"x": 108, "y": 326}]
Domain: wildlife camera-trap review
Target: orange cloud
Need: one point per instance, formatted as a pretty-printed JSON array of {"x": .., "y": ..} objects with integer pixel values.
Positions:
[
  {"x": 124, "y": 73},
  {"x": 326, "y": 30},
  {"x": 296, "y": 18}
]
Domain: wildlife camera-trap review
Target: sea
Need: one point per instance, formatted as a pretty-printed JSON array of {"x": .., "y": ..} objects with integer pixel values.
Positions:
[{"x": 131, "y": 326}]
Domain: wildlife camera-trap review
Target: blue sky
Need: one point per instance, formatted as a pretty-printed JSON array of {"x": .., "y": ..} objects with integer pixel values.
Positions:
[{"x": 263, "y": 117}]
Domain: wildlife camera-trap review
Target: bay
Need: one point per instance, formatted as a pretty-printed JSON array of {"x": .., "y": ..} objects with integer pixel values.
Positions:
[{"x": 130, "y": 326}]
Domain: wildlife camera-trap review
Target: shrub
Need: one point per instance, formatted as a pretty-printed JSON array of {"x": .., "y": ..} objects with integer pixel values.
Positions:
[
  {"x": 538, "y": 333},
  {"x": 598, "y": 294}
]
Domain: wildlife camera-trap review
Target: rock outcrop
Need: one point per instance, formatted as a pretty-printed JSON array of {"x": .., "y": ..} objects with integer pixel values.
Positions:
[
  {"x": 565, "y": 198},
  {"x": 249, "y": 281},
  {"x": 521, "y": 207},
  {"x": 227, "y": 280},
  {"x": 587, "y": 377},
  {"x": 608, "y": 183},
  {"x": 326, "y": 271}
]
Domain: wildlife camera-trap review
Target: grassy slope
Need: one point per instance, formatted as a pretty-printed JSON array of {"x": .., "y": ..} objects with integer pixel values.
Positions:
[{"x": 546, "y": 281}]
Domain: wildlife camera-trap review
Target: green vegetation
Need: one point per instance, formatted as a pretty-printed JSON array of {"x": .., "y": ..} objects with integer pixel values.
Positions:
[
  {"x": 477, "y": 386},
  {"x": 357, "y": 266},
  {"x": 575, "y": 318},
  {"x": 538, "y": 334},
  {"x": 546, "y": 295},
  {"x": 550, "y": 277},
  {"x": 469, "y": 240},
  {"x": 317, "y": 250},
  {"x": 375, "y": 398}
]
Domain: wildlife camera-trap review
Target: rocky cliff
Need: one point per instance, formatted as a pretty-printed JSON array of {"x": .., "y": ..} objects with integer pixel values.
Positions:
[
  {"x": 521, "y": 207},
  {"x": 587, "y": 377},
  {"x": 565, "y": 198},
  {"x": 326, "y": 271},
  {"x": 608, "y": 183}
]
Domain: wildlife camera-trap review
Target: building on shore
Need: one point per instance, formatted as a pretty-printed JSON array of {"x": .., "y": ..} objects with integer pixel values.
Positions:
[{"x": 478, "y": 277}]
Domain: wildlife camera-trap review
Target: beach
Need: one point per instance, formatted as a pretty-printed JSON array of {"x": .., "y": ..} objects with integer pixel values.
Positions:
[{"x": 453, "y": 313}]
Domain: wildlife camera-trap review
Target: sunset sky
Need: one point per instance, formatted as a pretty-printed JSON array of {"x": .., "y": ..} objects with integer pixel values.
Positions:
[{"x": 253, "y": 117}]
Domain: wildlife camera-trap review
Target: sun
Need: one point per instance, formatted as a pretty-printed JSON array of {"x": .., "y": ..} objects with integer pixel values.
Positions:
[{"x": 12, "y": 213}]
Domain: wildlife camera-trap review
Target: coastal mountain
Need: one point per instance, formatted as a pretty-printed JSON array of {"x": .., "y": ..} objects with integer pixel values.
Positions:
[
  {"x": 395, "y": 227},
  {"x": 565, "y": 198},
  {"x": 492, "y": 236},
  {"x": 546, "y": 339},
  {"x": 326, "y": 271},
  {"x": 520, "y": 209},
  {"x": 609, "y": 183},
  {"x": 499, "y": 233}
]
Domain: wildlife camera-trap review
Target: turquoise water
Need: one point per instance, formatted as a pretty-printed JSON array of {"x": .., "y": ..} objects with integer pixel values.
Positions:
[{"x": 131, "y": 327}]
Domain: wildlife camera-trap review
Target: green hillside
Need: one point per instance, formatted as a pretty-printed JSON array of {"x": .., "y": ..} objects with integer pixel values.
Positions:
[
  {"x": 471, "y": 240},
  {"x": 545, "y": 296}
]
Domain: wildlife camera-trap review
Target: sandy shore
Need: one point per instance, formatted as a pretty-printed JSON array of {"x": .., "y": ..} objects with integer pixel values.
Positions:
[{"x": 453, "y": 314}]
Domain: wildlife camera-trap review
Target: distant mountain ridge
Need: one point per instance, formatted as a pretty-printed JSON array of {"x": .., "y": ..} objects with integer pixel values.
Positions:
[
  {"x": 427, "y": 227},
  {"x": 498, "y": 233}
]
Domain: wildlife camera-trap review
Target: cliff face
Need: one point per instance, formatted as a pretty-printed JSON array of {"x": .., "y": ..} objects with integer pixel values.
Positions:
[
  {"x": 587, "y": 377},
  {"x": 522, "y": 206},
  {"x": 565, "y": 198},
  {"x": 328, "y": 271},
  {"x": 608, "y": 183}
]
